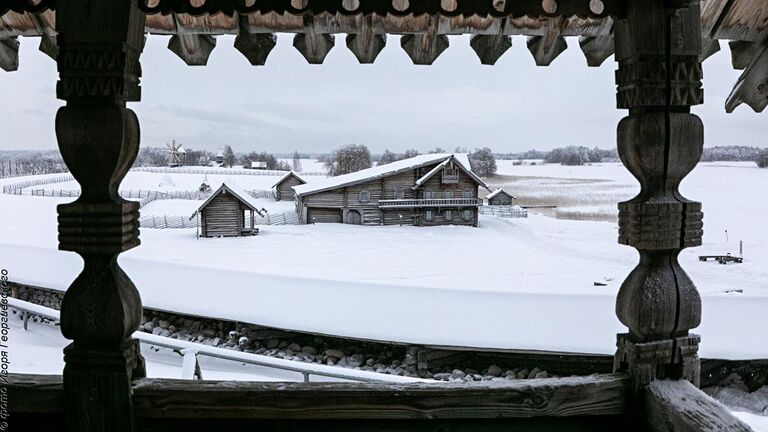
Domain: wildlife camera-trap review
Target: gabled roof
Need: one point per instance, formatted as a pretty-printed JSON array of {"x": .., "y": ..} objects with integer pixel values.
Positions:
[
  {"x": 287, "y": 176},
  {"x": 461, "y": 166},
  {"x": 500, "y": 191},
  {"x": 242, "y": 197},
  {"x": 380, "y": 171}
]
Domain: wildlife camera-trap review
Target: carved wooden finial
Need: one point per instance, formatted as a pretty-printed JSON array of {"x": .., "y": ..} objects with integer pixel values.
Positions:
[
  {"x": 424, "y": 48},
  {"x": 314, "y": 46},
  {"x": 545, "y": 49},
  {"x": 596, "y": 49}
]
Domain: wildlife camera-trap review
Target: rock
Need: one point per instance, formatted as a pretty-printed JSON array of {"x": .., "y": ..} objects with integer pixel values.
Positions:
[
  {"x": 294, "y": 347},
  {"x": 283, "y": 344},
  {"x": 523, "y": 374},
  {"x": 233, "y": 334},
  {"x": 356, "y": 360},
  {"x": 157, "y": 330},
  {"x": 542, "y": 374},
  {"x": 494, "y": 371},
  {"x": 458, "y": 374},
  {"x": 309, "y": 350},
  {"x": 243, "y": 342},
  {"x": 272, "y": 343},
  {"x": 533, "y": 373},
  {"x": 163, "y": 324},
  {"x": 441, "y": 376},
  {"x": 209, "y": 333},
  {"x": 165, "y": 333},
  {"x": 338, "y": 354},
  {"x": 149, "y": 326}
]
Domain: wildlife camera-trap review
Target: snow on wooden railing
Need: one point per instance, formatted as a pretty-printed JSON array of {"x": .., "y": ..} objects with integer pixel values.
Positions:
[
  {"x": 191, "y": 351},
  {"x": 504, "y": 211},
  {"x": 430, "y": 202}
]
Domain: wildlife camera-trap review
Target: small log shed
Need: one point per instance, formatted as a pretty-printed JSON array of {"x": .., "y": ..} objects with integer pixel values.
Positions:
[
  {"x": 500, "y": 197},
  {"x": 284, "y": 187},
  {"x": 223, "y": 214}
]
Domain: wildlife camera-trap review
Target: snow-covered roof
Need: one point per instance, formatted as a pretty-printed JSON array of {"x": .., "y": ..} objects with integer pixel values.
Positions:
[
  {"x": 466, "y": 168},
  {"x": 499, "y": 191},
  {"x": 242, "y": 195},
  {"x": 380, "y": 171},
  {"x": 285, "y": 177},
  {"x": 180, "y": 149}
]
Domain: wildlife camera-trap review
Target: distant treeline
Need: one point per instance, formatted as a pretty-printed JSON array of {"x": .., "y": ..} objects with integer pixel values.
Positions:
[
  {"x": 21, "y": 163},
  {"x": 580, "y": 155}
]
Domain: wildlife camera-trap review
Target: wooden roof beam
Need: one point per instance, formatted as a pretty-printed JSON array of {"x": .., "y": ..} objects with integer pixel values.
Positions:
[
  {"x": 596, "y": 49},
  {"x": 425, "y": 48},
  {"x": 489, "y": 48},
  {"x": 313, "y": 44},
  {"x": 752, "y": 86},
  {"x": 366, "y": 45},
  {"x": 9, "y": 54},
  {"x": 194, "y": 49},
  {"x": 255, "y": 46}
]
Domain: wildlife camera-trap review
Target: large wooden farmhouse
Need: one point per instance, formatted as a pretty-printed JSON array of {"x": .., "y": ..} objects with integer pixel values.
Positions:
[
  {"x": 223, "y": 214},
  {"x": 433, "y": 189}
]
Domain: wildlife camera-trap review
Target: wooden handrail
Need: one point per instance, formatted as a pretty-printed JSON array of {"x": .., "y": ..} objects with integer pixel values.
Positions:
[
  {"x": 595, "y": 395},
  {"x": 678, "y": 406},
  {"x": 431, "y": 202}
]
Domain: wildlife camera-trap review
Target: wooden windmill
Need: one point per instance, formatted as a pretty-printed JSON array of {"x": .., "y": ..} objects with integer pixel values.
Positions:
[{"x": 176, "y": 154}]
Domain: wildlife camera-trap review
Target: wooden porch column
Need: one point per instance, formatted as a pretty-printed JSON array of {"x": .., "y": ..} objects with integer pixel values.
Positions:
[
  {"x": 658, "y": 43},
  {"x": 100, "y": 43}
]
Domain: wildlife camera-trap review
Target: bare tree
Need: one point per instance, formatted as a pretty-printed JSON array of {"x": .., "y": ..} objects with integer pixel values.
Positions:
[
  {"x": 348, "y": 159},
  {"x": 296, "y": 161},
  {"x": 388, "y": 157},
  {"x": 229, "y": 156},
  {"x": 483, "y": 162}
]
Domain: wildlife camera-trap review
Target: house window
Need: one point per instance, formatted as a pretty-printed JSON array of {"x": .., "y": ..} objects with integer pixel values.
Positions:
[
  {"x": 399, "y": 193},
  {"x": 466, "y": 193},
  {"x": 365, "y": 196},
  {"x": 466, "y": 215},
  {"x": 429, "y": 194},
  {"x": 429, "y": 216},
  {"x": 449, "y": 215},
  {"x": 448, "y": 194}
]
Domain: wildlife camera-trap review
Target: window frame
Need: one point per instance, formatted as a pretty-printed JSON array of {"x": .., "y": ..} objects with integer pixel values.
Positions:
[{"x": 366, "y": 193}]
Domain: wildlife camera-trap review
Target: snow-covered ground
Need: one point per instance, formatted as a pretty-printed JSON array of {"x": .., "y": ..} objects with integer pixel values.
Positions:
[{"x": 499, "y": 285}]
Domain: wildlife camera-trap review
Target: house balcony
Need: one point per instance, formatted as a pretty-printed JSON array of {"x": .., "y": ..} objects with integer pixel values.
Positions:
[{"x": 431, "y": 202}]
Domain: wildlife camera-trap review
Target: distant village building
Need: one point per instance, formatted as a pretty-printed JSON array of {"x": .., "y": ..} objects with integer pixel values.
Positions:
[
  {"x": 258, "y": 165},
  {"x": 223, "y": 214},
  {"x": 284, "y": 187},
  {"x": 500, "y": 197},
  {"x": 218, "y": 162},
  {"x": 432, "y": 189}
]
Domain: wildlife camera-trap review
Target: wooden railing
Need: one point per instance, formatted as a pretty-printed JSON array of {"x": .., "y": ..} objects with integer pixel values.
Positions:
[{"x": 431, "y": 202}]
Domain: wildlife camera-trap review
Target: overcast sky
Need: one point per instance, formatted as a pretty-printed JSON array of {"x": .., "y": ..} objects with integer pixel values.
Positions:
[{"x": 288, "y": 104}]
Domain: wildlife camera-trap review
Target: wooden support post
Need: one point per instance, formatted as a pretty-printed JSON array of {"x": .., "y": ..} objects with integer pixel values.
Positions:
[
  {"x": 9, "y": 54},
  {"x": 658, "y": 43},
  {"x": 98, "y": 62}
]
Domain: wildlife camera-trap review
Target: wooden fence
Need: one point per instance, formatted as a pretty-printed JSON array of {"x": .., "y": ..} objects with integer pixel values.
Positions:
[
  {"x": 17, "y": 188},
  {"x": 504, "y": 211},
  {"x": 222, "y": 171},
  {"x": 171, "y": 222}
]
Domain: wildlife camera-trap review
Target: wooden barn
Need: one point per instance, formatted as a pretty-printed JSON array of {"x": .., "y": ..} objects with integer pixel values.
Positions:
[
  {"x": 432, "y": 189},
  {"x": 284, "y": 187},
  {"x": 500, "y": 197},
  {"x": 223, "y": 214}
]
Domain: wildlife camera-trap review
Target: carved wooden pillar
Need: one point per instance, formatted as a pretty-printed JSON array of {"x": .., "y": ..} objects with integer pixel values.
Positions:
[
  {"x": 658, "y": 43},
  {"x": 100, "y": 43}
]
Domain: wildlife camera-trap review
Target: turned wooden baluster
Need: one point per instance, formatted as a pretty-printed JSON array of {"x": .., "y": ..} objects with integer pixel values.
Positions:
[
  {"x": 658, "y": 44},
  {"x": 100, "y": 43}
]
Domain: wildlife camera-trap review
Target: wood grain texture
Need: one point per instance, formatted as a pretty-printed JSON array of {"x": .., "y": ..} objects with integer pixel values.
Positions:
[
  {"x": 678, "y": 406},
  {"x": 556, "y": 397}
]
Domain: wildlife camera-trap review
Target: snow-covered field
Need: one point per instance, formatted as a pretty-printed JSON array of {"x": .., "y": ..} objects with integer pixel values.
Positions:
[{"x": 499, "y": 285}]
